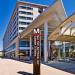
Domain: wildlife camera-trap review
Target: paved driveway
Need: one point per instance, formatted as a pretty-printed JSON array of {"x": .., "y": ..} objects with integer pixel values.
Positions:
[
  {"x": 13, "y": 67},
  {"x": 68, "y": 67}
]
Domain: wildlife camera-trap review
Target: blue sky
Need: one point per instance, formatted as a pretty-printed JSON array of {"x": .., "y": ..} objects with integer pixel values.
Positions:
[{"x": 7, "y": 7}]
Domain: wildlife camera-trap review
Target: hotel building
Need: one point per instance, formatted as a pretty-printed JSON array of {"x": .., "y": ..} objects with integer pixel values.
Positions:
[{"x": 23, "y": 15}]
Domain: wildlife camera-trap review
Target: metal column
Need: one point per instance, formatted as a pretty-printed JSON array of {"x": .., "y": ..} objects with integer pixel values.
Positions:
[{"x": 30, "y": 46}]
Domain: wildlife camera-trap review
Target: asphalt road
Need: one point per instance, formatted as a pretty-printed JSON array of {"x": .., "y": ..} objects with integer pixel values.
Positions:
[{"x": 13, "y": 67}]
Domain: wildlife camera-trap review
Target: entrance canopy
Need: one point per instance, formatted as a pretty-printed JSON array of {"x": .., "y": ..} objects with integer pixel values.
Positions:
[
  {"x": 65, "y": 31},
  {"x": 54, "y": 15}
]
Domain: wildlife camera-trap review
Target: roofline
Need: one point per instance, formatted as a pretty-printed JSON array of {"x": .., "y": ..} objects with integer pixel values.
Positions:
[{"x": 32, "y": 3}]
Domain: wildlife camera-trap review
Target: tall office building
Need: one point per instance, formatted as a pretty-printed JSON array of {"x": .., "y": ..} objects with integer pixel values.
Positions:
[{"x": 23, "y": 15}]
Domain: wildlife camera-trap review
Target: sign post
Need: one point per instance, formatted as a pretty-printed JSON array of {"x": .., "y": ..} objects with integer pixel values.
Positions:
[{"x": 36, "y": 52}]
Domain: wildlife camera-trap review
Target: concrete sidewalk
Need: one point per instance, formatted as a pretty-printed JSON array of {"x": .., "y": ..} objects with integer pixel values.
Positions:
[{"x": 12, "y": 67}]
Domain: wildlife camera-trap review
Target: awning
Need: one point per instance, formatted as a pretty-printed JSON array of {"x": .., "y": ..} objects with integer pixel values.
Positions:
[
  {"x": 57, "y": 35},
  {"x": 56, "y": 11}
]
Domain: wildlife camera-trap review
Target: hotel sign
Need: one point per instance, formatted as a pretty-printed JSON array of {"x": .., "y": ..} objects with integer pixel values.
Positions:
[{"x": 36, "y": 52}]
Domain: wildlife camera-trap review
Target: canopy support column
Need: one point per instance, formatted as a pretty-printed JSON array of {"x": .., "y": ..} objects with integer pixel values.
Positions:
[
  {"x": 30, "y": 46},
  {"x": 45, "y": 42}
]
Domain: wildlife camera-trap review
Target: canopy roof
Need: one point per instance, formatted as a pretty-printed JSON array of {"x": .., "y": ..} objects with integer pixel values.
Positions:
[
  {"x": 68, "y": 27},
  {"x": 54, "y": 15}
]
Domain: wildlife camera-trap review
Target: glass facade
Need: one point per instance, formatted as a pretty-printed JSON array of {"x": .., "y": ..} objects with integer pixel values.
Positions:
[
  {"x": 11, "y": 47},
  {"x": 24, "y": 44},
  {"x": 11, "y": 31}
]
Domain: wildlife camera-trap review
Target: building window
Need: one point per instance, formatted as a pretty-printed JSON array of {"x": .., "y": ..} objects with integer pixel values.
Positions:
[
  {"x": 21, "y": 28},
  {"x": 23, "y": 12},
  {"x": 26, "y": 18},
  {"x": 24, "y": 43},
  {"x": 25, "y": 7},
  {"x": 24, "y": 23},
  {"x": 14, "y": 46},
  {"x": 11, "y": 47}
]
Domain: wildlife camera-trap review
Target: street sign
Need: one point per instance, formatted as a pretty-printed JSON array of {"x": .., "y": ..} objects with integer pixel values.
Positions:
[{"x": 36, "y": 52}]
